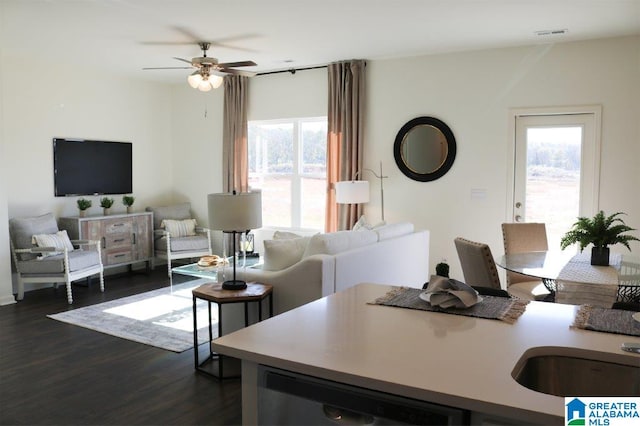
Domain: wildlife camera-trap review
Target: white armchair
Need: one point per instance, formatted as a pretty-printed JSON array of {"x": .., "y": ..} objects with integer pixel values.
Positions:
[
  {"x": 176, "y": 235},
  {"x": 44, "y": 254}
]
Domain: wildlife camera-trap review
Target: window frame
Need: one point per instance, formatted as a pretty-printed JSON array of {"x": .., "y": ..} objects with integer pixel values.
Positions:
[{"x": 298, "y": 173}]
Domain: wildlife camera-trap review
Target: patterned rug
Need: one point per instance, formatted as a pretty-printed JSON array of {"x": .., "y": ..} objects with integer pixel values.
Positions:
[{"x": 162, "y": 318}]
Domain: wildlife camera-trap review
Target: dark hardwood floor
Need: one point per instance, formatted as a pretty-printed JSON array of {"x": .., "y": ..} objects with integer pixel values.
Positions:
[{"x": 56, "y": 373}]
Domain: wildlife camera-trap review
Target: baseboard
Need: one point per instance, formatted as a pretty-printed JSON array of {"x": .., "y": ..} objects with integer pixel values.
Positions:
[{"x": 7, "y": 300}]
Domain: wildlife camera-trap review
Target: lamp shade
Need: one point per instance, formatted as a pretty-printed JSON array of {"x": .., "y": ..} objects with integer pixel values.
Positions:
[
  {"x": 235, "y": 212},
  {"x": 352, "y": 192}
]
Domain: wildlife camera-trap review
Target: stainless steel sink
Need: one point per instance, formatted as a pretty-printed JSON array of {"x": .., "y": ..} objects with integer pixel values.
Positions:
[{"x": 576, "y": 372}]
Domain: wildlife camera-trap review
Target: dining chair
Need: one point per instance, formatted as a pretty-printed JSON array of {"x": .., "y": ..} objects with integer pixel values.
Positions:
[
  {"x": 478, "y": 267},
  {"x": 521, "y": 238}
]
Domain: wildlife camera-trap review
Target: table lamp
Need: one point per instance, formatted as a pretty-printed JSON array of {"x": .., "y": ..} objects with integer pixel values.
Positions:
[{"x": 235, "y": 213}]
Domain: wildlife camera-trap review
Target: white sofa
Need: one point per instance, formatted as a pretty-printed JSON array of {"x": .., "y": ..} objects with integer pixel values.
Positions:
[{"x": 327, "y": 263}]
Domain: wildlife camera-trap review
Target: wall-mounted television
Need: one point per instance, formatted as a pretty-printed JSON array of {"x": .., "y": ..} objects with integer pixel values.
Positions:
[{"x": 89, "y": 167}]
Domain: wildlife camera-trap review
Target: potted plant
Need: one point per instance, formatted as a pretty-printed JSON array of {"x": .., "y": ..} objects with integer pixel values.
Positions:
[
  {"x": 83, "y": 205},
  {"x": 128, "y": 200},
  {"x": 442, "y": 269},
  {"x": 106, "y": 203},
  {"x": 601, "y": 231}
]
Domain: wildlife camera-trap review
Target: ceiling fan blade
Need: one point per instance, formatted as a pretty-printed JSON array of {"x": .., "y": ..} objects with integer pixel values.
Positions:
[
  {"x": 237, "y": 72},
  {"x": 183, "y": 60},
  {"x": 238, "y": 64},
  {"x": 167, "y": 68}
]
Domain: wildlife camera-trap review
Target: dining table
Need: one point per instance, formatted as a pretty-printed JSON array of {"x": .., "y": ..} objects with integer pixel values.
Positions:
[{"x": 571, "y": 279}]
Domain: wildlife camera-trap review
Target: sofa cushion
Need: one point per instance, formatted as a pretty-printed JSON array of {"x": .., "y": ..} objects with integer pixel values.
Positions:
[
  {"x": 197, "y": 242},
  {"x": 175, "y": 212},
  {"x": 23, "y": 229},
  {"x": 281, "y": 253},
  {"x": 179, "y": 228},
  {"x": 59, "y": 240},
  {"x": 337, "y": 242},
  {"x": 78, "y": 260},
  {"x": 393, "y": 230}
]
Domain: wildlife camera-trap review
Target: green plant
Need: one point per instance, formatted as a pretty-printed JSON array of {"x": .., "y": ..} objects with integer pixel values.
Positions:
[
  {"x": 601, "y": 231},
  {"x": 128, "y": 200},
  {"x": 442, "y": 269},
  {"x": 106, "y": 202},
  {"x": 83, "y": 203}
]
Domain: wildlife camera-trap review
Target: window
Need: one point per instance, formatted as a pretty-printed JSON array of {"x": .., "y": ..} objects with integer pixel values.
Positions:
[{"x": 288, "y": 162}]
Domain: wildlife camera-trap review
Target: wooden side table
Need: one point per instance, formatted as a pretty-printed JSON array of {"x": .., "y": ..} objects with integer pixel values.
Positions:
[{"x": 213, "y": 292}]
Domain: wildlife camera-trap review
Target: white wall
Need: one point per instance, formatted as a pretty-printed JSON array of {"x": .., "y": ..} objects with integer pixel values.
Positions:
[
  {"x": 72, "y": 102},
  {"x": 472, "y": 92},
  {"x": 177, "y": 150}
]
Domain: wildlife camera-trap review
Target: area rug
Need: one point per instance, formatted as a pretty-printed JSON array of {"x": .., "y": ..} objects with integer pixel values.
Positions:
[{"x": 162, "y": 318}]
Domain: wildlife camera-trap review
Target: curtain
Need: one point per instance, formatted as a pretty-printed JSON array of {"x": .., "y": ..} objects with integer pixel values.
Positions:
[
  {"x": 345, "y": 140},
  {"x": 234, "y": 134}
]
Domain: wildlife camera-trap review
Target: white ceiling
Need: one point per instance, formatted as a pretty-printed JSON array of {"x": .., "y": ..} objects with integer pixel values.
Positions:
[{"x": 118, "y": 35}]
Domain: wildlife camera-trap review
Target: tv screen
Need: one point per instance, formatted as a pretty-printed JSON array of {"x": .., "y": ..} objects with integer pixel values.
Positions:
[{"x": 87, "y": 167}]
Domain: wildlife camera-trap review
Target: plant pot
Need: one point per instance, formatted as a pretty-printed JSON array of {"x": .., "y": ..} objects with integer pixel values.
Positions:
[
  {"x": 106, "y": 211},
  {"x": 600, "y": 256},
  {"x": 129, "y": 209},
  {"x": 82, "y": 213}
]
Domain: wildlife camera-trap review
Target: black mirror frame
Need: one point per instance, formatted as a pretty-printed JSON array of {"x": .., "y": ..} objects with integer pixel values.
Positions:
[{"x": 451, "y": 149}]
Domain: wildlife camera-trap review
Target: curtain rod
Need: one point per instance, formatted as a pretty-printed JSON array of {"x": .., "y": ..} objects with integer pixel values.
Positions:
[{"x": 292, "y": 70}]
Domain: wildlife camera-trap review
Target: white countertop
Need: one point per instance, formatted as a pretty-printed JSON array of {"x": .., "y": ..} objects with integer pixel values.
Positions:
[{"x": 447, "y": 359}]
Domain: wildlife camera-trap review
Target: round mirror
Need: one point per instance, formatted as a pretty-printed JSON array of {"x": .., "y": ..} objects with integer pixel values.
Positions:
[{"x": 424, "y": 149}]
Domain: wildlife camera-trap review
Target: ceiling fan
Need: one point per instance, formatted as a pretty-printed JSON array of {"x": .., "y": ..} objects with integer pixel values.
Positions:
[{"x": 208, "y": 71}]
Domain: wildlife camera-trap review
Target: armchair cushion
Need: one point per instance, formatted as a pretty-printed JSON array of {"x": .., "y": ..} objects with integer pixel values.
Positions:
[
  {"x": 192, "y": 243},
  {"x": 23, "y": 229},
  {"x": 175, "y": 212},
  {"x": 78, "y": 260},
  {"x": 59, "y": 240},
  {"x": 179, "y": 228}
]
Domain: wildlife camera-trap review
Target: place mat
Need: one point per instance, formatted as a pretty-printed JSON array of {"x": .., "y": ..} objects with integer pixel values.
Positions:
[
  {"x": 616, "y": 321},
  {"x": 498, "y": 308}
]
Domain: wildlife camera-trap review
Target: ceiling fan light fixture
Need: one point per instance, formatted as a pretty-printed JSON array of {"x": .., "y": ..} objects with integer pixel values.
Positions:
[
  {"x": 195, "y": 79},
  {"x": 215, "y": 80},
  {"x": 204, "y": 86}
]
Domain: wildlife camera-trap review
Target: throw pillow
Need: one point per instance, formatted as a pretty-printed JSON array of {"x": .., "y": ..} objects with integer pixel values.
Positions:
[
  {"x": 179, "y": 228},
  {"x": 337, "y": 242},
  {"x": 285, "y": 235},
  {"x": 361, "y": 224},
  {"x": 280, "y": 254},
  {"x": 59, "y": 241}
]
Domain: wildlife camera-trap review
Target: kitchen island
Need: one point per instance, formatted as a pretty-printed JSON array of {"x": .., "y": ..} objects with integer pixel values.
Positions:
[{"x": 451, "y": 360}]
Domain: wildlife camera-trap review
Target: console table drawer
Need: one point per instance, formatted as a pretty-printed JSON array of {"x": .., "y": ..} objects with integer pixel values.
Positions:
[
  {"x": 118, "y": 226},
  {"x": 116, "y": 240},
  {"x": 119, "y": 257}
]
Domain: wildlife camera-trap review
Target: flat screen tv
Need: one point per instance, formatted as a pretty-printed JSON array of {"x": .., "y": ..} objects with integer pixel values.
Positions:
[{"x": 88, "y": 167}]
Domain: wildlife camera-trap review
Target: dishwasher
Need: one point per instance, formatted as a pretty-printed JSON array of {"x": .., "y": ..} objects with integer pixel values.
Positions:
[{"x": 286, "y": 398}]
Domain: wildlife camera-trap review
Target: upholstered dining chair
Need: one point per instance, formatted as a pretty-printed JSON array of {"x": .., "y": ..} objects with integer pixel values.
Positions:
[
  {"x": 520, "y": 238},
  {"x": 176, "y": 234},
  {"x": 478, "y": 267},
  {"x": 44, "y": 254}
]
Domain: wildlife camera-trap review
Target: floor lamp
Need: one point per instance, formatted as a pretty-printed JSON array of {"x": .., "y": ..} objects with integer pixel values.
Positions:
[
  {"x": 357, "y": 191},
  {"x": 235, "y": 213}
]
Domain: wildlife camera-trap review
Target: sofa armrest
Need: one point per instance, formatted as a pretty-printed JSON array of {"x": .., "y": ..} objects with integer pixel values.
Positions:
[{"x": 303, "y": 282}]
